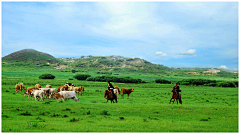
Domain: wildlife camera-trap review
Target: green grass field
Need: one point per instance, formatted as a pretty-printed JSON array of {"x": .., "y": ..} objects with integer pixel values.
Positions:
[{"x": 204, "y": 109}]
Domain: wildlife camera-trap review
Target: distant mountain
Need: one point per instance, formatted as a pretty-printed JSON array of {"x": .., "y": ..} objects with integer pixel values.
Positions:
[
  {"x": 30, "y": 56},
  {"x": 112, "y": 63}
]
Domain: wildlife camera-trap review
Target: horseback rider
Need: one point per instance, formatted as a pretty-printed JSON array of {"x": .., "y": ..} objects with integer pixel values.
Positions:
[
  {"x": 176, "y": 88},
  {"x": 110, "y": 88}
]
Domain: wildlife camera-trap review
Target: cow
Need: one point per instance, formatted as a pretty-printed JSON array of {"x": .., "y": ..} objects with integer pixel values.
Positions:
[
  {"x": 126, "y": 91},
  {"x": 19, "y": 87},
  {"x": 29, "y": 92},
  {"x": 37, "y": 86},
  {"x": 48, "y": 91},
  {"x": 63, "y": 88},
  {"x": 82, "y": 89},
  {"x": 57, "y": 96},
  {"x": 48, "y": 86},
  {"x": 39, "y": 93},
  {"x": 69, "y": 95},
  {"x": 76, "y": 89}
]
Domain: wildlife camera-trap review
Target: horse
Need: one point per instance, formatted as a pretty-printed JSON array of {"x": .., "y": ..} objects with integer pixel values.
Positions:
[
  {"x": 175, "y": 96},
  {"x": 109, "y": 96}
]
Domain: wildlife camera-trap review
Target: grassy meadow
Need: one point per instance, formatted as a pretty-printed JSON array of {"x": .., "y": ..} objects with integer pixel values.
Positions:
[{"x": 204, "y": 109}]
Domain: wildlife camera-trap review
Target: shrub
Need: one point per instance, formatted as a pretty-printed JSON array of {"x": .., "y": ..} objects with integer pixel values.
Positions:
[
  {"x": 46, "y": 76},
  {"x": 104, "y": 112},
  {"x": 225, "y": 84},
  {"x": 162, "y": 81},
  {"x": 115, "y": 79},
  {"x": 81, "y": 76},
  {"x": 90, "y": 79}
]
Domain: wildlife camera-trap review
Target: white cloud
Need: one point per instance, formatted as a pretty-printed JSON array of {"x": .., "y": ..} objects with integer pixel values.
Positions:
[
  {"x": 189, "y": 52},
  {"x": 223, "y": 67},
  {"x": 161, "y": 54}
]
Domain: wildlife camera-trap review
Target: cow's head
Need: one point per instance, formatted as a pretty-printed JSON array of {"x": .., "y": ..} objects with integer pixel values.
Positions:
[
  {"x": 132, "y": 90},
  {"x": 52, "y": 95},
  {"x": 25, "y": 93}
]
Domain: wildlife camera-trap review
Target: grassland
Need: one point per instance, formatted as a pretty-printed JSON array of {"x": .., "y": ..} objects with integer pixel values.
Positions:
[{"x": 204, "y": 109}]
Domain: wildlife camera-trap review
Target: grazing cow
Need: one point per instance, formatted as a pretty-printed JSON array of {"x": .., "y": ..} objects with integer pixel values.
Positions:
[
  {"x": 126, "y": 91},
  {"x": 70, "y": 88},
  {"x": 76, "y": 89},
  {"x": 48, "y": 91},
  {"x": 57, "y": 96},
  {"x": 39, "y": 93},
  {"x": 37, "y": 86},
  {"x": 63, "y": 88},
  {"x": 29, "y": 92},
  {"x": 19, "y": 86},
  {"x": 48, "y": 86},
  {"x": 82, "y": 89},
  {"x": 69, "y": 95}
]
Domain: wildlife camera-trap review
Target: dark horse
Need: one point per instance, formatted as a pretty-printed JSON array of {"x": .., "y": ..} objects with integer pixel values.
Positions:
[
  {"x": 175, "y": 96},
  {"x": 109, "y": 96}
]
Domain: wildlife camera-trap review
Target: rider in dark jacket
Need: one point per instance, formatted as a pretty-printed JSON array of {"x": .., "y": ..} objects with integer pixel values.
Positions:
[
  {"x": 176, "y": 88},
  {"x": 110, "y": 88}
]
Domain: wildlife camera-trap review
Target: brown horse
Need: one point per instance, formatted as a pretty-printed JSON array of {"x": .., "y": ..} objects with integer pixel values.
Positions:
[
  {"x": 175, "y": 96},
  {"x": 109, "y": 96}
]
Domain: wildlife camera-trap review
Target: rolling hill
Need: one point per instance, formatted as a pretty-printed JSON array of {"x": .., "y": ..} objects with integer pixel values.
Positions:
[
  {"x": 101, "y": 64},
  {"x": 30, "y": 56},
  {"x": 112, "y": 63}
]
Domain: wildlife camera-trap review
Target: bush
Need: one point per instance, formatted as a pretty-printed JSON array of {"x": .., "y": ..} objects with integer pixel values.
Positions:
[
  {"x": 46, "y": 76},
  {"x": 115, "y": 79},
  {"x": 162, "y": 81},
  {"x": 81, "y": 76},
  {"x": 208, "y": 82},
  {"x": 225, "y": 84}
]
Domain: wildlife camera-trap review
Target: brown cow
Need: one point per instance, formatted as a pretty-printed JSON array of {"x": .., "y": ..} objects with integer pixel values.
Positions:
[
  {"x": 126, "y": 91},
  {"x": 37, "y": 86},
  {"x": 29, "y": 92},
  {"x": 48, "y": 86},
  {"x": 82, "y": 89},
  {"x": 18, "y": 87},
  {"x": 61, "y": 87},
  {"x": 57, "y": 96}
]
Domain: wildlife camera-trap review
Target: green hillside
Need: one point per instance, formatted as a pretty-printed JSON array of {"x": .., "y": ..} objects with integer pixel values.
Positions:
[
  {"x": 30, "y": 56},
  {"x": 31, "y": 59},
  {"x": 112, "y": 63}
]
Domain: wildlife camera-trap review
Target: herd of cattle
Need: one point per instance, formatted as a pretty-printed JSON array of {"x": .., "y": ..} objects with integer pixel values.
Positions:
[{"x": 68, "y": 91}]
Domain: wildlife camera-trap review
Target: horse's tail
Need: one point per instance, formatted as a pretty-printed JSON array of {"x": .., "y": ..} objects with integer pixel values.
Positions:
[{"x": 180, "y": 99}]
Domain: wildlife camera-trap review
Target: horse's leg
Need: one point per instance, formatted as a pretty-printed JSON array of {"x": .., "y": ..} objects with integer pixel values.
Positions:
[
  {"x": 170, "y": 100},
  {"x": 107, "y": 100}
]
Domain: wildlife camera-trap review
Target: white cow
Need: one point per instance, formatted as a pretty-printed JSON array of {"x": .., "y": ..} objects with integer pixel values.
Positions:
[
  {"x": 48, "y": 91},
  {"x": 39, "y": 93},
  {"x": 69, "y": 95}
]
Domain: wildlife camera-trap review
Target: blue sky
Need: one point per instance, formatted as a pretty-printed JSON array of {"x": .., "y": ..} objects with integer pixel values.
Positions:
[{"x": 174, "y": 34}]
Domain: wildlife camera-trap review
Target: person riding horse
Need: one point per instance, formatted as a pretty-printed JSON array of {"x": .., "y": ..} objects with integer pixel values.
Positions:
[
  {"x": 110, "y": 88},
  {"x": 176, "y": 88}
]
